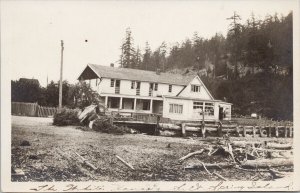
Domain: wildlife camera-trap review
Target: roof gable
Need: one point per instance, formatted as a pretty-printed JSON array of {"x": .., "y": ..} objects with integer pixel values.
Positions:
[
  {"x": 134, "y": 74},
  {"x": 203, "y": 94}
]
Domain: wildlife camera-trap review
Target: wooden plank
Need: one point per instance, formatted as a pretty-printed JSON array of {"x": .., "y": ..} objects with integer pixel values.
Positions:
[{"x": 124, "y": 162}]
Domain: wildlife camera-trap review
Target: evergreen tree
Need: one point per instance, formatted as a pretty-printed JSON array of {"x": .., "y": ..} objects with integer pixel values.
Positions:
[
  {"x": 138, "y": 59},
  {"x": 127, "y": 51},
  {"x": 147, "y": 57},
  {"x": 234, "y": 36}
]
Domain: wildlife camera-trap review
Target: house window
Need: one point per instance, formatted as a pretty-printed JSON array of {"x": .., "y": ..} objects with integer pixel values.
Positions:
[
  {"x": 156, "y": 86},
  {"x": 209, "y": 109},
  {"x": 175, "y": 108},
  {"x": 195, "y": 88},
  {"x": 170, "y": 88},
  {"x": 132, "y": 84},
  {"x": 198, "y": 105},
  {"x": 146, "y": 105},
  {"x": 112, "y": 82}
]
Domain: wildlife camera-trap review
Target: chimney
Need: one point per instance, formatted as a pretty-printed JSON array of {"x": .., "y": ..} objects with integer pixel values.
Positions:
[
  {"x": 112, "y": 65},
  {"x": 158, "y": 71}
]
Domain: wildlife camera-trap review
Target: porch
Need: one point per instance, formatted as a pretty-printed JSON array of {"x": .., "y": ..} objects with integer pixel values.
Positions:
[{"x": 124, "y": 104}]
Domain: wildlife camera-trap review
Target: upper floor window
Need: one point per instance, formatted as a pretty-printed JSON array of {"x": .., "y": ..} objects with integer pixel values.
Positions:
[
  {"x": 155, "y": 86},
  {"x": 170, "y": 88},
  {"x": 132, "y": 84},
  {"x": 112, "y": 82},
  {"x": 195, "y": 88}
]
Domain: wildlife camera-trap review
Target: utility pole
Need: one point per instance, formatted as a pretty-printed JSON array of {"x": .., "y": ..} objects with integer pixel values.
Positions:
[{"x": 61, "y": 73}]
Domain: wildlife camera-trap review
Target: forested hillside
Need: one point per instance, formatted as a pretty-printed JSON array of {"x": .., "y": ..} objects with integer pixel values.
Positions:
[{"x": 251, "y": 67}]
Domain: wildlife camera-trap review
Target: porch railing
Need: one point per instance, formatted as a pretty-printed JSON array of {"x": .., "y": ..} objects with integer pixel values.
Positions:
[{"x": 143, "y": 117}]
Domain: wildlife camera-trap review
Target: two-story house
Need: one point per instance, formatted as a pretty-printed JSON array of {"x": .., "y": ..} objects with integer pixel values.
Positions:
[{"x": 174, "y": 96}]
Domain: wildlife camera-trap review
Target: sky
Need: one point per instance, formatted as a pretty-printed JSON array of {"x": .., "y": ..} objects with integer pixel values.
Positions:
[{"x": 31, "y": 31}]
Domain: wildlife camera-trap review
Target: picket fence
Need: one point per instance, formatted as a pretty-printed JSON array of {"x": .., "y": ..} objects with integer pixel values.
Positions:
[{"x": 32, "y": 110}]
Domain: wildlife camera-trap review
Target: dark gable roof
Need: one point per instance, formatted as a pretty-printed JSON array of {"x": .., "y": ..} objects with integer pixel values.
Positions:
[{"x": 140, "y": 75}]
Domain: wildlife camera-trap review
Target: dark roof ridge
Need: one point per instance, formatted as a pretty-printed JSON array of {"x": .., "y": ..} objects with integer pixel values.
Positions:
[{"x": 149, "y": 71}]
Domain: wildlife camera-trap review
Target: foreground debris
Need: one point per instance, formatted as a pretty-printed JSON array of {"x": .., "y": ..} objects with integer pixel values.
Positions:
[
  {"x": 246, "y": 156},
  {"x": 154, "y": 158}
]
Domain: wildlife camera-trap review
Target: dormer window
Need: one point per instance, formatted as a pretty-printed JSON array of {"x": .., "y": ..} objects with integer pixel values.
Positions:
[
  {"x": 112, "y": 82},
  {"x": 156, "y": 86},
  {"x": 195, "y": 88},
  {"x": 170, "y": 88},
  {"x": 132, "y": 84}
]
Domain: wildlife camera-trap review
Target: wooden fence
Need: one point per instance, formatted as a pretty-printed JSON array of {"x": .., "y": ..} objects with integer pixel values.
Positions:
[
  {"x": 46, "y": 111},
  {"x": 220, "y": 129},
  {"x": 32, "y": 110}
]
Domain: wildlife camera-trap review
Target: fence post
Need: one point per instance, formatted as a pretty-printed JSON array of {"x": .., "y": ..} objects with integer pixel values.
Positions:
[
  {"x": 237, "y": 130},
  {"x": 291, "y": 131},
  {"x": 253, "y": 131},
  {"x": 220, "y": 134},
  {"x": 276, "y": 132},
  {"x": 183, "y": 129},
  {"x": 244, "y": 131},
  {"x": 285, "y": 132},
  {"x": 203, "y": 130},
  {"x": 270, "y": 132},
  {"x": 156, "y": 132}
]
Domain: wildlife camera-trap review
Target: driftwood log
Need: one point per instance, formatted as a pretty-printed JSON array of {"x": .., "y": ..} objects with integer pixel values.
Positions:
[
  {"x": 190, "y": 155},
  {"x": 266, "y": 163},
  {"x": 124, "y": 162},
  {"x": 86, "y": 162},
  {"x": 209, "y": 165}
]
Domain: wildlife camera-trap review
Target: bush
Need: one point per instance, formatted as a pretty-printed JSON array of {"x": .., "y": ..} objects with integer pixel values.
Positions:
[
  {"x": 103, "y": 125},
  {"x": 66, "y": 117}
]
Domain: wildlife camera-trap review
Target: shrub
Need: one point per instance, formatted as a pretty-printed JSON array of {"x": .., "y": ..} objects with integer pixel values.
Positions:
[
  {"x": 104, "y": 125},
  {"x": 66, "y": 117}
]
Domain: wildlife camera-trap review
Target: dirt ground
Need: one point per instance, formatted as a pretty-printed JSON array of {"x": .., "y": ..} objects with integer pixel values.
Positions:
[{"x": 51, "y": 155}]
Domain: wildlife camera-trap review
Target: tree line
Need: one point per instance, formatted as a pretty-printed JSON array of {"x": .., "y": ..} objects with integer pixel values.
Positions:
[
  {"x": 265, "y": 44},
  {"x": 252, "y": 67},
  {"x": 77, "y": 95}
]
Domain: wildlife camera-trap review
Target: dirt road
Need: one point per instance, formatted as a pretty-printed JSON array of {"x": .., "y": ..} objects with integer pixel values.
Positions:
[{"x": 51, "y": 155}]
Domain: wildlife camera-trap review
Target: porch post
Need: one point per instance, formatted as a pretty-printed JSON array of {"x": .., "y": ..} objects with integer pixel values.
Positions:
[
  {"x": 151, "y": 103},
  {"x": 134, "y": 105},
  {"x": 120, "y": 104},
  {"x": 106, "y": 101}
]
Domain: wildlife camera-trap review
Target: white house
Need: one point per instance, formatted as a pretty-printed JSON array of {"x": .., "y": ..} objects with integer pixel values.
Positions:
[{"x": 174, "y": 96}]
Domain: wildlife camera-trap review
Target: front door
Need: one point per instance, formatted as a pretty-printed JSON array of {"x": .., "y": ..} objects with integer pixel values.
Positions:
[
  {"x": 197, "y": 110},
  {"x": 221, "y": 114}
]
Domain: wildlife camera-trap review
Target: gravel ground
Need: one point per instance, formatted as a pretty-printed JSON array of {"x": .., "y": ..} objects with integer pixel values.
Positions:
[{"x": 51, "y": 155}]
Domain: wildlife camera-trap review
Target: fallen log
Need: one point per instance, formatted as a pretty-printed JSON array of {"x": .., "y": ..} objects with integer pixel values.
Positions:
[
  {"x": 190, "y": 155},
  {"x": 271, "y": 150},
  {"x": 245, "y": 143},
  {"x": 209, "y": 165},
  {"x": 124, "y": 162},
  {"x": 266, "y": 163},
  {"x": 86, "y": 162},
  {"x": 279, "y": 146},
  {"x": 268, "y": 145}
]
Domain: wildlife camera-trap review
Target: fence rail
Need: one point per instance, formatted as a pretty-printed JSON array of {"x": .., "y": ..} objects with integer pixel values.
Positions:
[{"x": 32, "y": 110}]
